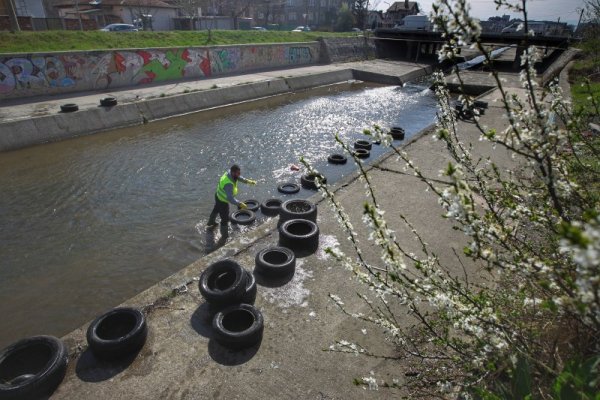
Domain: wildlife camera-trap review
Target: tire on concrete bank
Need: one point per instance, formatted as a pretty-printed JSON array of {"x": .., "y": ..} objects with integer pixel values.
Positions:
[
  {"x": 362, "y": 153},
  {"x": 108, "y": 101},
  {"x": 242, "y": 217},
  {"x": 252, "y": 204},
  {"x": 239, "y": 326},
  {"x": 275, "y": 262},
  {"x": 288, "y": 188},
  {"x": 69, "y": 107},
  {"x": 397, "y": 133},
  {"x": 250, "y": 291},
  {"x": 32, "y": 367},
  {"x": 298, "y": 209},
  {"x": 308, "y": 181},
  {"x": 223, "y": 282},
  {"x": 363, "y": 144},
  {"x": 271, "y": 207},
  {"x": 337, "y": 159},
  {"x": 117, "y": 333},
  {"x": 299, "y": 235}
]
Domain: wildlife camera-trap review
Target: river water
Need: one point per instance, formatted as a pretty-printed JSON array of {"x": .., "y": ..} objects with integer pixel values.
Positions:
[{"x": 89, "y": 222}]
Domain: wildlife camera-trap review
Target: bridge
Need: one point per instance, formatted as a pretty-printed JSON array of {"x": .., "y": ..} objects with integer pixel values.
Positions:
[{"x": 415, "y": 44}]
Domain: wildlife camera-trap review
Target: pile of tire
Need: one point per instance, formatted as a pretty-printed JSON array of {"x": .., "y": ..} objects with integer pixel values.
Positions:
[
  {"x": 298, "y": 230},
  {"x": 230, "y": 292}
]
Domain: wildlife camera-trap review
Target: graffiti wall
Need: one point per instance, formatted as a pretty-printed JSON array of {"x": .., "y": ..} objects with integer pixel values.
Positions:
[{"x": 41, "y": 74}]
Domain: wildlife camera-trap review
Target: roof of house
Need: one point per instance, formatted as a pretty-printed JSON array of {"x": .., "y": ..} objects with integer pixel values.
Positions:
[
  {"x": 121, "y": 3},
  {"x": 401, "y": 6}
]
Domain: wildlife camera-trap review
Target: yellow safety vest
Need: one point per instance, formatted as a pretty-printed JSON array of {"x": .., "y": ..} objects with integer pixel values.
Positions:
[{"x": 225, "y": 180}]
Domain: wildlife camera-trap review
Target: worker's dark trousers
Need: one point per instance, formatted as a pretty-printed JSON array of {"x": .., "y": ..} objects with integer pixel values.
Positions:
[{"x": 222, "y": 209}]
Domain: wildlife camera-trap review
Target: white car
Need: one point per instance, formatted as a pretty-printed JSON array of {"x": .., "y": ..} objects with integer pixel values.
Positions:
[
  {"x": 119, "y": 28},
  {"x": 301, "y": 29},
  {"x": 259, "y": 28}
]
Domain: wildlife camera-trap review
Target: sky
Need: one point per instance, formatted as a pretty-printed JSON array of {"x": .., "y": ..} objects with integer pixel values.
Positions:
[{"x": 567, "y": 10}]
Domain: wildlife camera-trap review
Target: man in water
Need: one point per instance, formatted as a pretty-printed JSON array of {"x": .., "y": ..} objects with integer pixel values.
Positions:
[{"x": 226, "y": 192}]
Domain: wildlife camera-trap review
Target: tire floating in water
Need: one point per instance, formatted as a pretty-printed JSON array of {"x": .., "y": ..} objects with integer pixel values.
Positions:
[
  {"x": 288, "y": 188},
  {"x": 337, "y": 159},
  {"x": 308, "y": 181},
  {"x": 397, "y": 133},
  {"x": 252, "y": 205},
  {"x": 242, "y": 217},
  {"x": 362, "y": 153},
  {"x": 32, "y": 368},
  {"x": 363, "y": 144},
  {"x": 117, "y": 333}
]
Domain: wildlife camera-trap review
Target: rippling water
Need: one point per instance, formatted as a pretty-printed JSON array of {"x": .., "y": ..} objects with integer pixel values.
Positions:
[{"x": 89, "y": 222}]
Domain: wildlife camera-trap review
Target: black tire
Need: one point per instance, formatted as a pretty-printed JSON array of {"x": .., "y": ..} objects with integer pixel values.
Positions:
[
  {"x": 480, "y": 104},
  {"x": 252, "y": 205},
  {"x": 288, "y": 188},
  {"x": 223, "y": 283},
  {"x": 397, "y": 133},
  {"x": 238, "y": 326},
  {"x": 297, "y": 209},
  {"x": 363, "y": 144},
  {"x": 271, "y": 207},
  {"x": 117, "y": 333},
  {"x": 250, "y": 290},
  {"x": 108, "y": 102},
  {"x": 242, "y": 217},
  {"x": 308, "y": 181},
  {"x": 337, "y": 159},
  {"x": 32, "y": 368},
  {"x": 299, "y": 235},
  {"x": 275, "y": 262},
  {"x": 70, "y": 107},
  {"x": 362, "y": 153}
]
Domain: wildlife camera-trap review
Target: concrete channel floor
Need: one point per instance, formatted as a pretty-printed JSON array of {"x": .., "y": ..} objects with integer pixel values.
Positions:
[{"x": 181, "y": 361}]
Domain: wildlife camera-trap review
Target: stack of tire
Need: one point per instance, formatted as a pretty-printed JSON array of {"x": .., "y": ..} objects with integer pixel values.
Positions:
[
  {"x": 230, "y": 292},
  {"x": 298, "y": 230}
]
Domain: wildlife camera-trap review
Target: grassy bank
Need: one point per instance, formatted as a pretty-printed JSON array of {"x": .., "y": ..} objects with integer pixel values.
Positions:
[{"x": 26, "y": 42}]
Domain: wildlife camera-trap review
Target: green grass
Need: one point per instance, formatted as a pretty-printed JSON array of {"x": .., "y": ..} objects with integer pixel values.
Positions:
[{"x": 26, "y": 42}]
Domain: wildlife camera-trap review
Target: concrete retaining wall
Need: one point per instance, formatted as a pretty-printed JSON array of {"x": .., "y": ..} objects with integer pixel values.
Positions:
[
  {"x": 27, "y": 75},
  {"x": 347, "y": 49}
]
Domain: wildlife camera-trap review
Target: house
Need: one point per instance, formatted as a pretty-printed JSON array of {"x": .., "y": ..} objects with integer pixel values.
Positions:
[
  {"x": 155, "y": 15},
  {"x": 401, "y": 9}
]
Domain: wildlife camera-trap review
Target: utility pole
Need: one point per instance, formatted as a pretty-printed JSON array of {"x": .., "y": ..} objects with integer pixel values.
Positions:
[
  {"x": 12, "y": 16},
  {"x": 578, "y": 22}
]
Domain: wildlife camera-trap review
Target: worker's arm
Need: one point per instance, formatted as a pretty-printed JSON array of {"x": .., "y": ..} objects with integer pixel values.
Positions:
[
  {"x": 229, "y": 192},
  {"x": 247, "y": 181}
]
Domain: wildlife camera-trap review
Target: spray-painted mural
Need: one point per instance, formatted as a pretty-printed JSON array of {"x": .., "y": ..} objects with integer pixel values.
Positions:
[{"x": 36, "y": 74}]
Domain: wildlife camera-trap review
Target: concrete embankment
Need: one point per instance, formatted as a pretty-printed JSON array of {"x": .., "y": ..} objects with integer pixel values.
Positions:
[
  {"x": 37, "y": 122},
  {"x": 181, "y": 360}
]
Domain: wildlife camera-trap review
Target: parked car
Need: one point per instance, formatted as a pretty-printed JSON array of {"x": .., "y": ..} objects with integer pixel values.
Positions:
[
  {"x": 301, "y": 29},
  {"x": 259, "y": 28},
  {"x": 119, "y": 28},
  {"x": 356, "y": 30},
  {"x": 414, "y": 23}
]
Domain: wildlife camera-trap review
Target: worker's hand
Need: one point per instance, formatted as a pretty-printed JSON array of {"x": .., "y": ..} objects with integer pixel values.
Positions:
[
  {"x": 251, "y": 182},
  {"x": 242, "y": 206}
]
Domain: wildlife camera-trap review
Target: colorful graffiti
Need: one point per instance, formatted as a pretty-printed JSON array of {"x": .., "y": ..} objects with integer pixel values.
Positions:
[{"x": 42, "y": 74}]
